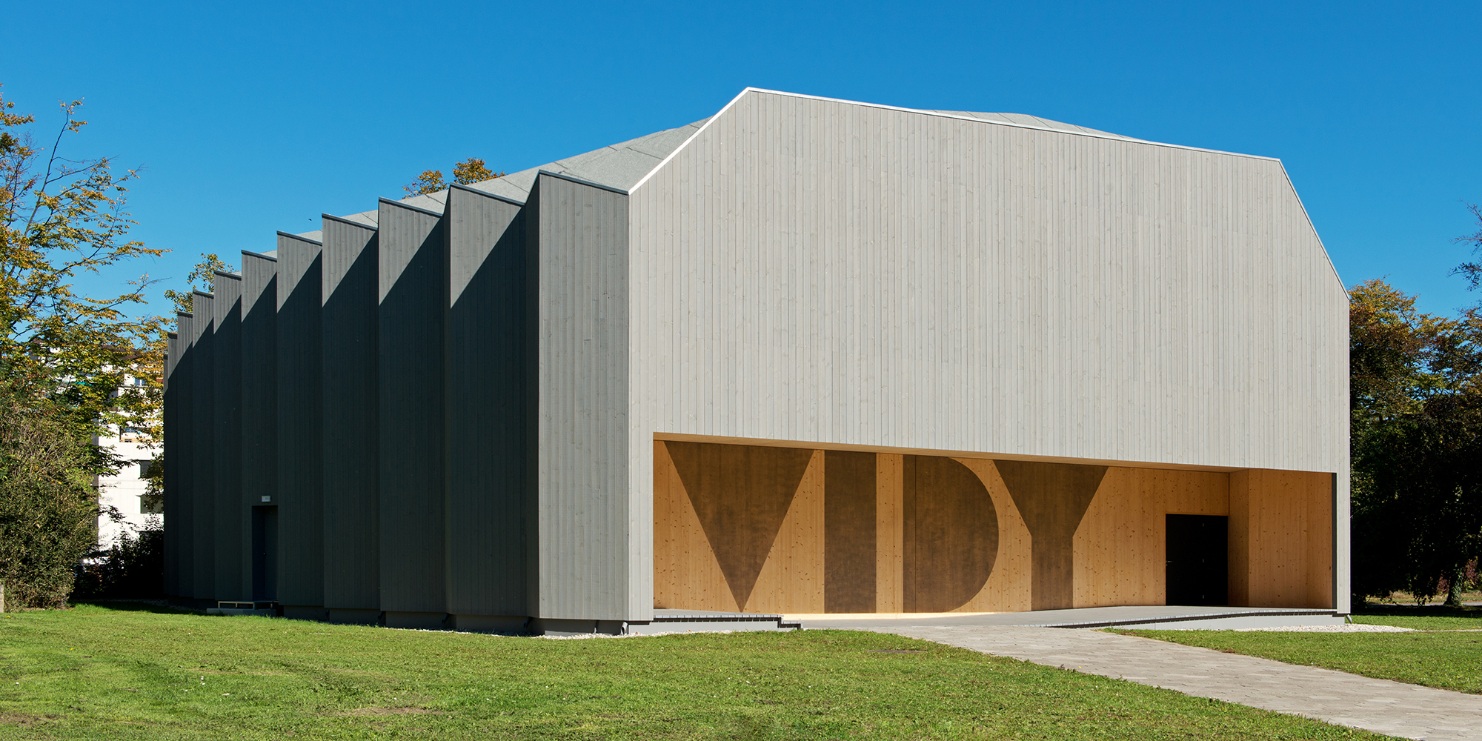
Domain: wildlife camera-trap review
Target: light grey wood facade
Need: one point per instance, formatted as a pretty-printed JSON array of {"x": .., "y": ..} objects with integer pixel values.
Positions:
[{"x": 815, "y": 270}]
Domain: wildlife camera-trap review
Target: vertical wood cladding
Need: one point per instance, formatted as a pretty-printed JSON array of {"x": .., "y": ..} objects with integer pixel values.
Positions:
[
  {"x": 741, "y": 495},
  {"x": 168, "y": 417},
  {"x": 1120, "y": 554},
  {"x": 202, "y": 426},
  {"x": 588, "y": 563},
  {"x": 300, "y": 504},
  {"x": 412, "y": 291},
  {"x": 1281, "y": 539},
  {"x": 849, "y": 531},
  {"x": 231, "y": 509},
  {"x": 788, "y": 529},
  {"x": 351, "y": 443},
  {"x": 259, "y": 393},
  {"x": 484, "y": 408},
  {"x": 951, "y": 534},
  {"x": 180, "y": 529},
  {"x": 991, "y": 288},
  {"x": 1053, "y": 498}
]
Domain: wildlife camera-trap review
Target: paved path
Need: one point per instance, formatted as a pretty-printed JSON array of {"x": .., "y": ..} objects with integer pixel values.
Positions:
[{"x": 1378, "y": 705}]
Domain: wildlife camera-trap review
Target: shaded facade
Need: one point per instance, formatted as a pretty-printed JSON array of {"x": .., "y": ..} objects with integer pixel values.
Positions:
[{"x": 805, "y": 356}]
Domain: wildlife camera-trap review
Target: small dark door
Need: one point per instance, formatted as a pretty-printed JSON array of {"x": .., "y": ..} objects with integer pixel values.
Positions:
[
  {"x": 1198, "y": 560},
  {"x": 265, "y": 553}
]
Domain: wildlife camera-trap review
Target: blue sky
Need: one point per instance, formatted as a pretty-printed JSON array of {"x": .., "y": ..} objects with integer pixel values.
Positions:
[{"x": 259, "y": 117}]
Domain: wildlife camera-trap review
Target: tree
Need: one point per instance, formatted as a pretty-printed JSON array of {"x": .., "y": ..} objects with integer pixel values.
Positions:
[
  {"x": 1417, "y": 444},
  {"x": 467, "y": 172},
  {"x": 1471, "y": 269},
  {"x": 63, "y": 355}
]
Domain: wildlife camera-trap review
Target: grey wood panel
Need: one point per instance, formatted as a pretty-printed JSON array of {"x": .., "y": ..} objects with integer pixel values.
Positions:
[
  {"x": 202, "y": 427},
  {"x": 821, "y": 271},
  {"x": 259, "y": 395},
  {"x": 231, "y": 508},
  {"x": 177, "y": 463},
  {"x": 299, "y": 493},
  {"x": 485, "y": 406},
  {"x": 585, "y": 518},
  {"x": 412, "y": 294},
  {"x": 350, "y": 441},
  {"x": 169, "y": 427}
]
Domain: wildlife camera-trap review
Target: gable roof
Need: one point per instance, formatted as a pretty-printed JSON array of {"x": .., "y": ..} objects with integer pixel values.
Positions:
[{"x": 628, "y": 164}]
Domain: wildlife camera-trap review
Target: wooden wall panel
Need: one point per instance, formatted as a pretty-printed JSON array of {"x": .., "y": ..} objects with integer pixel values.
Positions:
[
  {"x": 686, "y": 572},
  {"x": 1120, "y": 543},
  {"x": 792, "y": 577},
  {"x": 1008, "y": 588},
  {"x": 1281, "y": 539},
  {"x": 1319, "y": 539},
  {"x": 742, "y": 496},
  {"x": 889, "y": 533},
  {"x": 850, "y": 499},
  {"x": 950, "y": 534},
  {"x": 1052, "y": 497}
]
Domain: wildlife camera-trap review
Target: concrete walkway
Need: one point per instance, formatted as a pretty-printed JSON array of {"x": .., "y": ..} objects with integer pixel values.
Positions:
[{"x": 1377, "y": 705}]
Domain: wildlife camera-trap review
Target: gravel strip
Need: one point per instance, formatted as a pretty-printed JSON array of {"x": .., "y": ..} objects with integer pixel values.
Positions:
[{"x": 1349, "y": 628}]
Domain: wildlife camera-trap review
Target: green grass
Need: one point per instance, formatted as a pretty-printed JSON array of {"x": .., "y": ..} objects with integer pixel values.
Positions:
[
  {"x": 99, "y": 672},
  {"x": 1422, "y": 618},
  {"x": 1445, "y": 652}
]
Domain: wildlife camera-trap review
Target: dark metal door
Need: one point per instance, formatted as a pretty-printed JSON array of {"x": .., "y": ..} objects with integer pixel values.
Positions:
[
  {"x": 1198, "y": 560},
  {"x": 265, "y": 553}
]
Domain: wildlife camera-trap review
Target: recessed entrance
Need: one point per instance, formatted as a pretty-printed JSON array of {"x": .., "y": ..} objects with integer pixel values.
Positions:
[
  {"x": 264, "y": 553},
  {"x": 1198, "y": 560}
]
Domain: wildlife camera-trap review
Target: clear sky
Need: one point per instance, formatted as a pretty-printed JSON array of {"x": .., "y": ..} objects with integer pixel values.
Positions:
[{"x": 261, "y": 116}]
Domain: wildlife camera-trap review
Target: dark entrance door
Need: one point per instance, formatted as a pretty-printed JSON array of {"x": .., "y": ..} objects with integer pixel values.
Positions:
[
  {"x": 1198, "y": 560},
  {"x": 265, "y": 553}
]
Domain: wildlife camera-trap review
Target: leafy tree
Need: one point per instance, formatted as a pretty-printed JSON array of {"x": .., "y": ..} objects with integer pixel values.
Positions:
[
  {"x": 48, "y": 505},
  {"x": 1471, "y": 269},
  {"x": 63, "y": 355},
  {"x": 471, "y": 170},
  {"x": 1417, "y": 444},
  {"x": 201, "y": 278}
]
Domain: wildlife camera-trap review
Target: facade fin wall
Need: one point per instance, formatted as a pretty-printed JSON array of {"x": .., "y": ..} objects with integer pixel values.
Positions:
[
  {"x": 585, "y": 533},
  {"x": 350, "y": 438},
  {"x": 300, "y": 514},
  {"x": 412, "y": 291}
]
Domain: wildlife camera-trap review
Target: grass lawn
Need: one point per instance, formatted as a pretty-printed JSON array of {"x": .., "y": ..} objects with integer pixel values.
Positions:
[
  {"x": 1445, "y": 652},
  {"x": 101, "y": 672}
]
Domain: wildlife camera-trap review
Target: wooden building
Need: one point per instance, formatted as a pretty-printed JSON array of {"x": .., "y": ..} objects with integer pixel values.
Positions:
[{"x": 805, "y": 356}]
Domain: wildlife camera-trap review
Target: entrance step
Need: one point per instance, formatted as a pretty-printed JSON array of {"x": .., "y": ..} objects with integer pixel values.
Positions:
[
  {"x": 262, "y": 608},
  {"x": 705, "y": 621}
]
